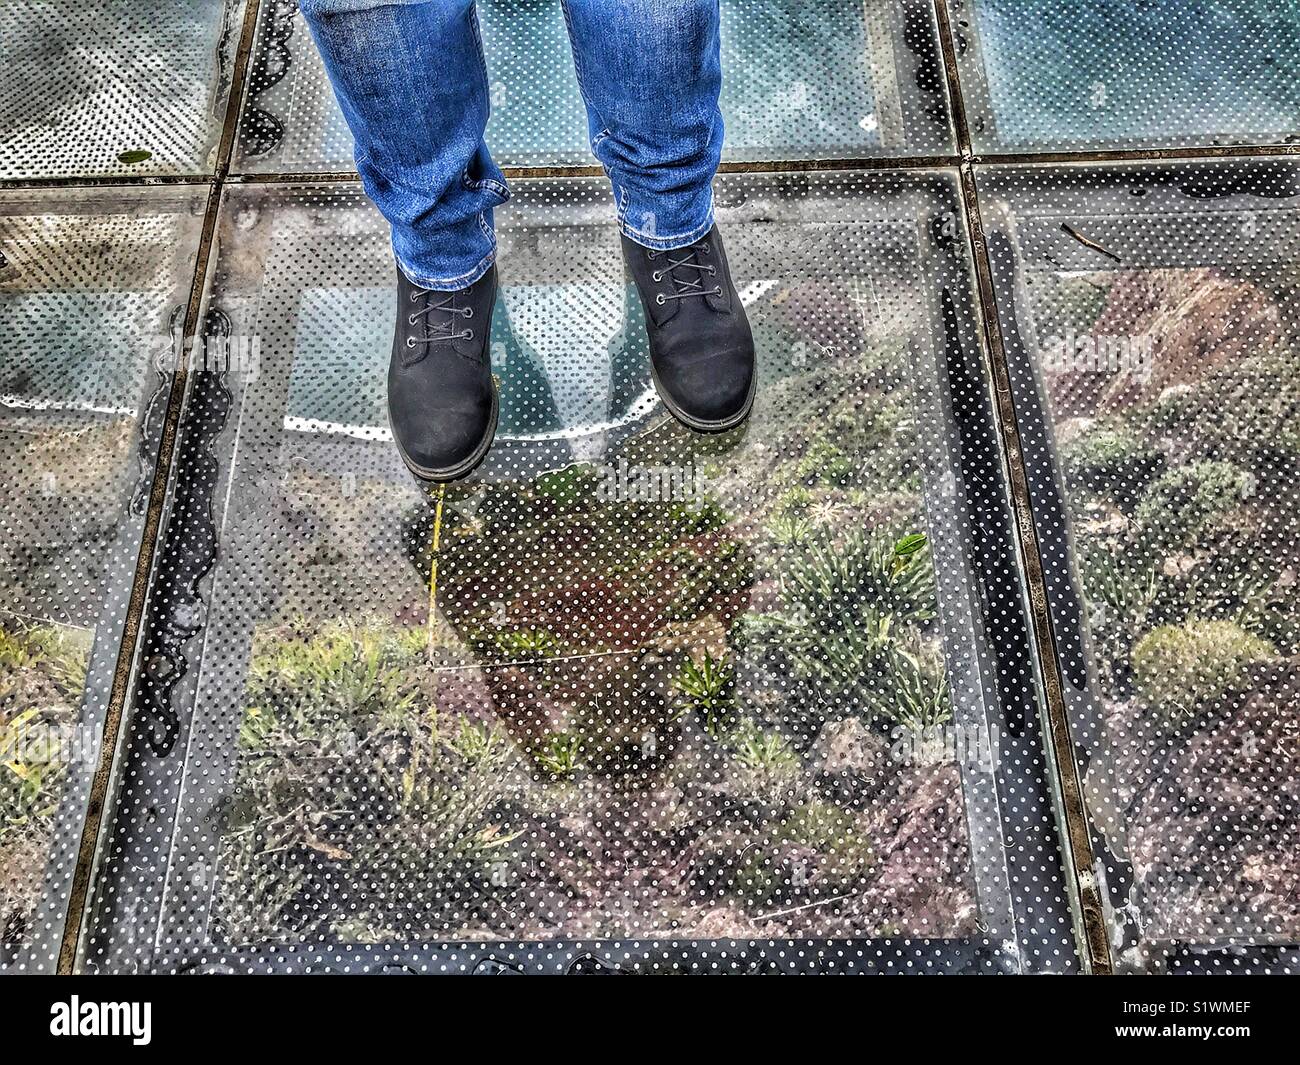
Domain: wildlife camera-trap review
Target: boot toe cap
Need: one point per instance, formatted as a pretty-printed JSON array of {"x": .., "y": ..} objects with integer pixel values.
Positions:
[
  {"x": 442, "y": 442},
  {"x": 712, "y": 391}
]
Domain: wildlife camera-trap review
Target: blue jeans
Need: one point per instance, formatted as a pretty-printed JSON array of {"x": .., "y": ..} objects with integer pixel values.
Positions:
[{"x": 412, "y": 82}]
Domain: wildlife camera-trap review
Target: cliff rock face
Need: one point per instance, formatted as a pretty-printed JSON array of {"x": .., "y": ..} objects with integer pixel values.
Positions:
[
  {"x": 915, "y": 819},
  {"x": 924, "y": 853},
  {"x": 1214, "y": 817},
  {"x": 1159, "y": 329}
]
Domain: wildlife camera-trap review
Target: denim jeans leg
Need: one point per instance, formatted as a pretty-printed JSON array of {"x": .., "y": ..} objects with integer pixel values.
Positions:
[
  {"x": 411, "y": 81},
  {"x": 650, "y": 73}
]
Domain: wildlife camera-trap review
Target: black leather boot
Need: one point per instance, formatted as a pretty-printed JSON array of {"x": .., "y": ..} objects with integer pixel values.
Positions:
[
  {"x": 442, "y": 402},
  {"x": 701, "y": 349}
]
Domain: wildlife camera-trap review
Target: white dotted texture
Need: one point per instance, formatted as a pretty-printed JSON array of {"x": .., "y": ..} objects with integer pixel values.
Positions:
[
  {"x": 89, "y": 283},
  {"x": 1042, "y": 75},
  {"x": 686, "y": 701},
  {"x": 1150, "y": 314},
  {"x": 757, "y": 703},
  {"x": 812, "y": 79},
  {"x": 122, "y": 87}
]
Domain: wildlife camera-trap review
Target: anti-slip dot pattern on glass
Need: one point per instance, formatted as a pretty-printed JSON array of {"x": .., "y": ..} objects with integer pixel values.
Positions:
[
  {"x": 89, "y": 287},
  {"x": 120, "y": 87},
  {"x": 1042, "y": 75},
  {"x": 1150, "y": 315},
  {"x": 750, "y": 702},
  {"x": 800, "y": 80},
  {"x": 632, "y": 700}
]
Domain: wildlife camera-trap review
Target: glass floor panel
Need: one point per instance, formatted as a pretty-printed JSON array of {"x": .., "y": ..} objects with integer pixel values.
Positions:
[
  {"x": 1042, "y": 75},
  {"x": 122, "y": 87},
  {"x": 89, "y": 283},
  {"x": 801, "y": 80},
  {"x": 628, "y": 691},
  {"x": 1151, "y": 320}
]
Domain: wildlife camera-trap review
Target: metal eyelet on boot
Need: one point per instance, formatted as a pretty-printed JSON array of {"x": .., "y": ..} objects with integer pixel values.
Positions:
[
  {"x": 658, "y": 275},
  {"x": 652, "y": 255},
  {"x": 659, "y": 299},
  {"x": 442, "y": 402}
]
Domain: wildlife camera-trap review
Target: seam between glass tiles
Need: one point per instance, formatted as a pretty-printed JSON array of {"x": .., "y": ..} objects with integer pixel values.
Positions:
[{"x": 141, "y": 589}]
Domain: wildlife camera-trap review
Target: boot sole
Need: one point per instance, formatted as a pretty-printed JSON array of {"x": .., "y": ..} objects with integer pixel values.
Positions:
[
  {"x": 461, "y": 469},
  {"x": 701, "y": 425}
]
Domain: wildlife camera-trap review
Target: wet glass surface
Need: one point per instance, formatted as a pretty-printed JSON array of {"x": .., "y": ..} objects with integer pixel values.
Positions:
[
  {"x": 1051, "y": 75},
  {"x": 1151, "y": 314},
  {"x": 758, "y": 702},
  {"x": 113, "y": 87},
  {"x": 88, "y": 286},
  {"x": 628, "y": 682},
  {"x": 808, "y": 80}
]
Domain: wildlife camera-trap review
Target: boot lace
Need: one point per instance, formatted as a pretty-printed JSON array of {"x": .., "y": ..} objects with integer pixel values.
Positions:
[
  {"x": 686, "y": 284},
  {"x": 437, "y": 329}
]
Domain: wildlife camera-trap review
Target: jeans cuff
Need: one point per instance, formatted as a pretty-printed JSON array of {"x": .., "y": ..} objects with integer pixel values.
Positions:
[
  {"x": 676, "y": 240},
  {"x": 449, "y": 284}
]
